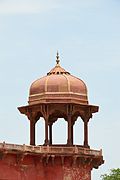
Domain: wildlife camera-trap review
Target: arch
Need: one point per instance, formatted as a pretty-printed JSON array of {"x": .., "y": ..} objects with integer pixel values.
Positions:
[
  {"x": 76, "y": 115},
  {"x": 60, "y": 131},
  {"x": 57, "y": 113},
  {"x": 37, "y": 116},
  {"x": 40, "y": 131},
  {"x": 78, "y": 132}
]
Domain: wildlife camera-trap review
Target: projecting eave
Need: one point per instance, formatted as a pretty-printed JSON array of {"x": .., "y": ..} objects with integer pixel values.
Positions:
[{"x": 25, "y": 109}]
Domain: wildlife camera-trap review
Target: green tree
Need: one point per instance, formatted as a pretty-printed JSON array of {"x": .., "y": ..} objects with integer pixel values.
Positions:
[{"x": 113, "y": 175}]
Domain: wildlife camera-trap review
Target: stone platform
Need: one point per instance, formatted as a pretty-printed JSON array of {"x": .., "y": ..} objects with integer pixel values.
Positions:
[{"x": 23, "y": 162}]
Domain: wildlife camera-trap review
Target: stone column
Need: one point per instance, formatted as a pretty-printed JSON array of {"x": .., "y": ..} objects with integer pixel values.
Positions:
[
  {"x": 86, "y": 134},
  {"x": 46, "y": 131},
  {"x": 50, "y": 133},
  {"x": 32, "y": 133},
  {"x": 72, "y": 134},
  {"x": 69, "y": 142}
]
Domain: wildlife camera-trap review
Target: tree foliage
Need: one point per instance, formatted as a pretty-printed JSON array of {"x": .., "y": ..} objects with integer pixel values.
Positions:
[{"x": 113, "y": 175}]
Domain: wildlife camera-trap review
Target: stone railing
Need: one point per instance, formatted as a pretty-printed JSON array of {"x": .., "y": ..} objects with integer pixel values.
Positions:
[{"x": 49, "y": 149}]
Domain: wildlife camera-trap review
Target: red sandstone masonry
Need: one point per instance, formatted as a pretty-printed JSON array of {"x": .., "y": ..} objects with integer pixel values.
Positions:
[
  {"x": 21, "y": 162},
  {"x": 30, "y": 170}
]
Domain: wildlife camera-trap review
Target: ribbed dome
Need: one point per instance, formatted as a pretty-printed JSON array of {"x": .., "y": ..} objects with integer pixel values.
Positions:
[{"x": 58, "y": 86}]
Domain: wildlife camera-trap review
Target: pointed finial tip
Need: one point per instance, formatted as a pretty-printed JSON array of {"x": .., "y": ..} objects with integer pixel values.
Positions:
[
  {"x": 57, "y": 53},
  {"x": 57, "y": 58}
]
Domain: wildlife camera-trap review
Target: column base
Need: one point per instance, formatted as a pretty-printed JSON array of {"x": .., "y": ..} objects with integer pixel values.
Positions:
[
  {"x": 86, "y": 145},
  {"x": 46, "y": 142},
  {"x": 69, "y": 143},
  {"x": 32, "y": 144}
]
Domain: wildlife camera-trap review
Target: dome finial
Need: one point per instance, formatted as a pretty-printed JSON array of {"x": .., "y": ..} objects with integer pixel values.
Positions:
[{"x": 57, "y": 58}]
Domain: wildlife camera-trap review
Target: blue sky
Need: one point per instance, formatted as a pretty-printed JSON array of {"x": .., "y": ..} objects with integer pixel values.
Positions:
[{"x": 87, "y": 35}]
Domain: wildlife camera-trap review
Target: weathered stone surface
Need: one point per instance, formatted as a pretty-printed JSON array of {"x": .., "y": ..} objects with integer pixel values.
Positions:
[
  {"x": 21, "y": 162},
  {"x": 10, "y": 169}
]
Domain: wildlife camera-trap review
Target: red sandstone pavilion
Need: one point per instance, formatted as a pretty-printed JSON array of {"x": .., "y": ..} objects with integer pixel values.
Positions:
[{"x": 56, "y": 95}]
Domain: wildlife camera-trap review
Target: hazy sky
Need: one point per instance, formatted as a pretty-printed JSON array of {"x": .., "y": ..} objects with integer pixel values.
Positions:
[{"x": 87, "y": 35}]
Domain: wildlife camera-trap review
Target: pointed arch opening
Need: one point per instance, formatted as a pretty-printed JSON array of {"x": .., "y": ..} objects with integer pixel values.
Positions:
[
  {"x": 40, "y": 131},
  {"x": 60, "y": 132},
  {"x": 78, "y": 132}
]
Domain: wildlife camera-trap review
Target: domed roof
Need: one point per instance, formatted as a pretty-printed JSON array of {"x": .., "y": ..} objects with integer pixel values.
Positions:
[{"x": 58, "y": 86}]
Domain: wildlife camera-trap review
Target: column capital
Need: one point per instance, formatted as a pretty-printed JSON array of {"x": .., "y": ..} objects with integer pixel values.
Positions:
[
  {"x": 86, "y": 115},
  {"x": 69, "y": 109},
  {"x": 44, "y": 111},
  {"x": 32, "y": 115}
]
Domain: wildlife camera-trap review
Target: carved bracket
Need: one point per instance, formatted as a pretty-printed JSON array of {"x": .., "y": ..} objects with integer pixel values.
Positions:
[
  {"x": 19, "y": 158},
  {"x": 86, "y": 115}
]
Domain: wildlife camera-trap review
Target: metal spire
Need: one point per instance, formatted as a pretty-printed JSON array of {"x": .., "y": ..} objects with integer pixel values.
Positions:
[{"x": 57, "y": 58}]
